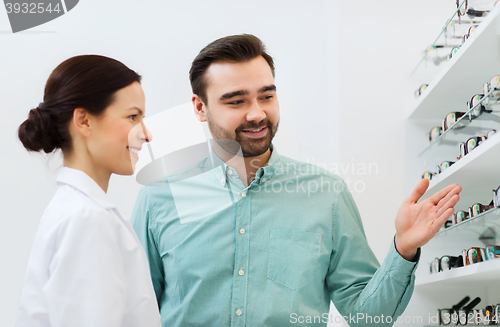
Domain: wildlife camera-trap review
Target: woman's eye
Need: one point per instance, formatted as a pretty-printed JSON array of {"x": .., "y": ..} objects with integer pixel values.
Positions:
[{"x": 132, "y": 117}]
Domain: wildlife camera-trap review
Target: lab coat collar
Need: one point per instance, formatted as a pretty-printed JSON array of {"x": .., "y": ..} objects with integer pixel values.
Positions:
[{"x": 84, "y": 183}]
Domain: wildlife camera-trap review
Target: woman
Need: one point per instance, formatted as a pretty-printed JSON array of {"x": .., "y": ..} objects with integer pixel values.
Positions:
[{"x": 87, "y": 267}]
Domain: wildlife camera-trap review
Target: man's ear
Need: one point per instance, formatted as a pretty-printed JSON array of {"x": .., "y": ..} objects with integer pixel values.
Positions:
[
  {"x": 199, "y": 108},
  {"x": 82, "y": 121}
]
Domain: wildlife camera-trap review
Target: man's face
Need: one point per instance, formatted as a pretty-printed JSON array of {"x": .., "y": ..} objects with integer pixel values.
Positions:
[{"x": 242, "y": 105}]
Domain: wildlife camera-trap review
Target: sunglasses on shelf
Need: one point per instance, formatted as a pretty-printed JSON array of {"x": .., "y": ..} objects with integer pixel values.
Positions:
[
  {"x": 450, "y": 29},
  {"x": 475, "y": 101},
  {"x": 458, "y": 314},
  {"x": 488, "y": 135},
  {"x": 469, "y": 145},
  {"x": 431, "y": 54},
  {"x": 467, "y": 35},
  {"x": 493, "y": 85},
  {"x": 473, "y": 13},
  {"x": 453, "y": 51},
  {"x": 434, "y": 134},
  {"x": 483, "y": 317},
  {"x": 428, "y": 175},
  {"x": 448, "y": 223},
  {"x": 451, "y": 119},
  {"x": 475, "y": 255},
  {"x": 446, "y": 262},
  {"x": 492, "y": 252},
  {"x": 474, "y": 210},
  {"x": 478, "y": 208},
  {"x": 473, "y": 142},
  {"x": 444, "y": 165},
  {"x": 419, "y": 91},
  {"x": 496, "y": 197},
  {"x": 462, "y": 9},
  {"x": 460, "y": 216},
  {"x": 468, "y": 257}
]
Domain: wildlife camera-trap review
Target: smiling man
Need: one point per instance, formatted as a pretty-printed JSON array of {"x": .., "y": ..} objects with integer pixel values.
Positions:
[{"x": 292, "y": 240}]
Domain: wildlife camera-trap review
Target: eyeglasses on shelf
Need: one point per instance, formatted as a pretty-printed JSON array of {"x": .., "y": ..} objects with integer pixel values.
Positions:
[
  {"x": 459, "y": 314},
  {"x": 435, "y": 133},
  {"x": 419, "y": 91},
  {"x": 468, "y": 257},
  {"x": 473, "y": 142}
]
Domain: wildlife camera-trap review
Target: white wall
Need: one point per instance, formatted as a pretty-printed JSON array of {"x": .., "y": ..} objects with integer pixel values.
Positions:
[
  {"x": 342, "y": 70},
  {"x": 380, "y": 43}
]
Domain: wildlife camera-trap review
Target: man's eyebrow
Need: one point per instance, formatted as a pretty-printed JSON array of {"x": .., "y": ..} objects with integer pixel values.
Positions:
[
  {"x": 233, "y": 94},
  {"x": 268, "y": 88}
]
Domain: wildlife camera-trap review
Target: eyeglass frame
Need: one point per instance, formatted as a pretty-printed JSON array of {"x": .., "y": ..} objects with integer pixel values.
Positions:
[
  {"x": 421, "y": 88},
  {"x": 429, "y": 134},
  {"x": 496, "y": 197}
]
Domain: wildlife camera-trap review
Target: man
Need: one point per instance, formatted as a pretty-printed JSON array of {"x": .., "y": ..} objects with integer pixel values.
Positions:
[{"x": 281, "y": 251}]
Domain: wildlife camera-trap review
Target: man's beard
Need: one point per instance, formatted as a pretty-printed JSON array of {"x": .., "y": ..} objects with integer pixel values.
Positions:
[{"x": 231, "y": 142}]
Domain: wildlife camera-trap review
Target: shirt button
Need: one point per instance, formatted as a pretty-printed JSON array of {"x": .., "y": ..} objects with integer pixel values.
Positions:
[
  {"x": 242, "y": 231},
  {"x": 241, "y": 272},
  {"x": 238, "y": 312},
  {"x": 243, "y": 194},
  {"x": 229, "y": 171},
  {"x": 222, "y": 180},
  {"x": 263, "y": 179}
]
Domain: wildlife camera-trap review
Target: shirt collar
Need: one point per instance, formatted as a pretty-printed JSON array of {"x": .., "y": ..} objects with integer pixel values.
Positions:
[
  {"x": 263, "y": 173},
  {"x": 85, "y": 184},
  {"x": 269, "y": 170}
]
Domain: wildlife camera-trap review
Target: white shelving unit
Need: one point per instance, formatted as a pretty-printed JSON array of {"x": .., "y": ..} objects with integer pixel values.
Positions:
[
  {"x": 463, "y": 76},
  {"x": 483, "y": 272},
  {"x": 478, "y": 173},
  {"x": 476, "y": 62}
]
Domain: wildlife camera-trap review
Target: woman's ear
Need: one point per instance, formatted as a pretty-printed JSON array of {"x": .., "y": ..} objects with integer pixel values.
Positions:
[
  {"x": 82, "y": 121},
  {"x": 199, "y": 108}
]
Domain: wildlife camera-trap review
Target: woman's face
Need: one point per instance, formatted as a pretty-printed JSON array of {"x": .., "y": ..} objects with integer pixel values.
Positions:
[{"x": 120, "y": 132}]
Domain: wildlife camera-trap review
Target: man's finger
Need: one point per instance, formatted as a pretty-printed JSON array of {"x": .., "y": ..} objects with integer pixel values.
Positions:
[
  {"x": 448, "y": 196},
  {"x": 443, "y": 218},
  {"x": 418, "y": 191},
  {"x": 452, "y": 201},
  {"x": 436, "y": 197}
]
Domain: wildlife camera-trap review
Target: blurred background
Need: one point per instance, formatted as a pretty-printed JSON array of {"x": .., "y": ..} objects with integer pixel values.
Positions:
[{"x": 342, "y": 71}]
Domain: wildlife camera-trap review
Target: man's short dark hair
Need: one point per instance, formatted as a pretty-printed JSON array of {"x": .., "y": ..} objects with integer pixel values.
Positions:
[{"x": 233, "y": 49}]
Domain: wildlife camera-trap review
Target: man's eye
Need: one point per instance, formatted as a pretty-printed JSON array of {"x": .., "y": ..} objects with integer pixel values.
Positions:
[
  {"x": 268, "y": 97},
  {"x": 236, "y": 102}
]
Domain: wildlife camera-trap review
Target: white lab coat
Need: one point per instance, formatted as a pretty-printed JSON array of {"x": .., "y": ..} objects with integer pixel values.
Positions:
[{"x": 87, "y": 267}]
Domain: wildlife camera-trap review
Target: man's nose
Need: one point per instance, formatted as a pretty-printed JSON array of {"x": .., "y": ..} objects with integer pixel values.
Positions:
[{"x": 255, "y": 112}]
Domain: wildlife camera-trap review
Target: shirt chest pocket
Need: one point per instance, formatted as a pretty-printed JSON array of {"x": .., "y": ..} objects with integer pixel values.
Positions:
[{"x": 293, "y": 257}]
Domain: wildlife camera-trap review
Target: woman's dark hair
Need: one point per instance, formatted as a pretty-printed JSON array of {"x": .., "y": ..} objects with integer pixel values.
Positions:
[
  {"x": 234, "y": 48},
  {"x": 88, "y": 82}
]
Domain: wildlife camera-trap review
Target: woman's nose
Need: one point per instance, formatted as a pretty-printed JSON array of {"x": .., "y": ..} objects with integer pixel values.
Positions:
[{"x": 144, "y": 133}]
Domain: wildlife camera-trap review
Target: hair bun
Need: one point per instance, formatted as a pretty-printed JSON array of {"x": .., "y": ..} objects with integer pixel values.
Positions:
[{"x": 38, "y": 132}]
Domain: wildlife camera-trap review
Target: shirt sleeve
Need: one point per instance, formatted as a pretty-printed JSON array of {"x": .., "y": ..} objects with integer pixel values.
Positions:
[
  {"x": 143, "y": 225},
  {"x": 86, "y": 284},
  {"x": 363, "y": 291}
]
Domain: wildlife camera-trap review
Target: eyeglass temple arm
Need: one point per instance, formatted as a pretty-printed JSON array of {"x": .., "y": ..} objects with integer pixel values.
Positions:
[
  {"x": 471, "y": 305},
  {"x": 460, "y": 304}
]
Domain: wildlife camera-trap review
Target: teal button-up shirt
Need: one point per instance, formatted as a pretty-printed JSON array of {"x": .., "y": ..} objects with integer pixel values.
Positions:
[{"x": 273, "y": 254}]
